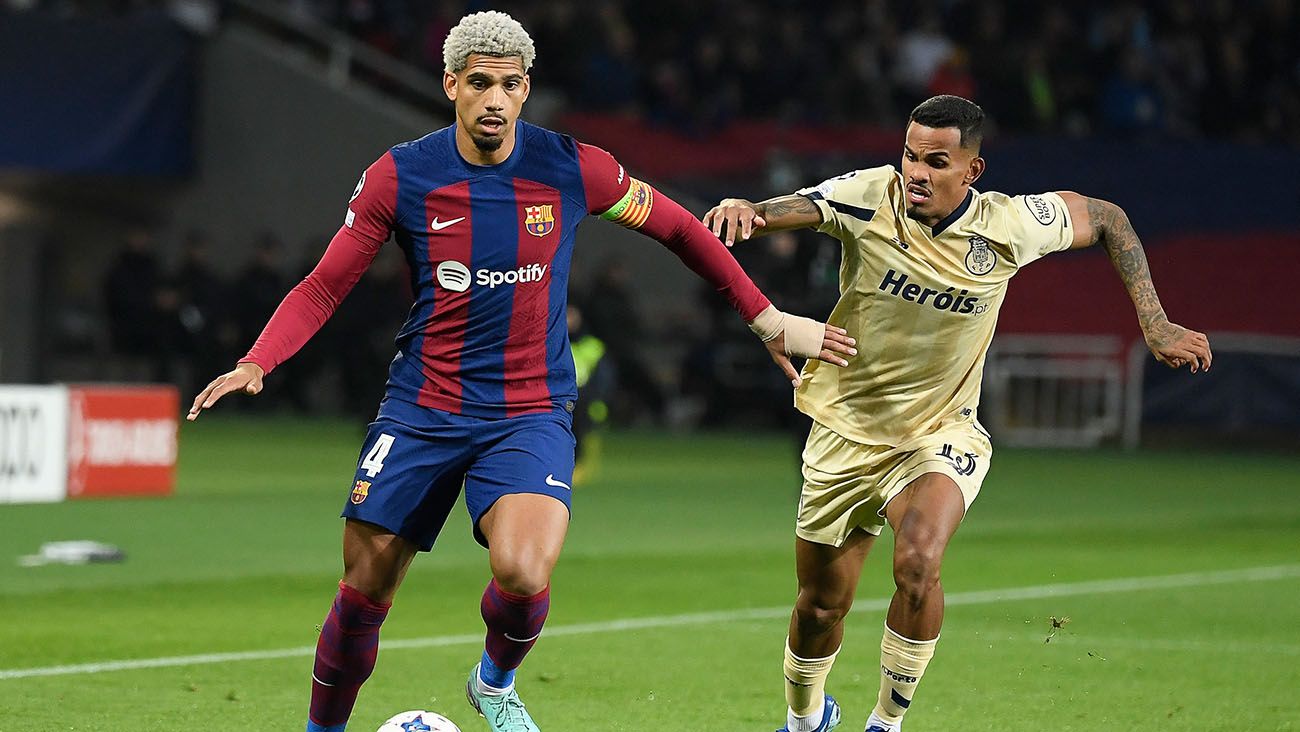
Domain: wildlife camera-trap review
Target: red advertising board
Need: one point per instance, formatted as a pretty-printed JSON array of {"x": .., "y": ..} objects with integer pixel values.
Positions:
[{"x": 122, "y": 440}]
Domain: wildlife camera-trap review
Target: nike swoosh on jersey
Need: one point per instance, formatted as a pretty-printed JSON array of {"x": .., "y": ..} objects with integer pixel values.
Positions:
[
  {"x": 437, "y": 225},
  {"x": 550, "y": 480}
]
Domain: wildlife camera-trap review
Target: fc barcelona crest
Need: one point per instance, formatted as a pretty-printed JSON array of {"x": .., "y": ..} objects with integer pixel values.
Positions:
[
  {"x": 539, "y": 220},
  {"x": 360, "y": 491},
  {"x": 980, "y": 260}
]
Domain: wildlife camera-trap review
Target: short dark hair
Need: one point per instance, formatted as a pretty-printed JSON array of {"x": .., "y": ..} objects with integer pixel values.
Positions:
[{"x": 948, "y": 110}]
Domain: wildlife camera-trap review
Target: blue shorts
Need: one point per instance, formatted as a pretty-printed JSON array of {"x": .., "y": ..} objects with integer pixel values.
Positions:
[{"x": 415, "y": 459}]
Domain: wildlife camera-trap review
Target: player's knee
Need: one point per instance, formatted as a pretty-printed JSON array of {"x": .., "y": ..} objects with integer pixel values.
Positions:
[
  {"x": 522, "y": 573},
  {"x": 378, "y": 586},
  {"x": 916, "y": 569},
  {"x": 373, "y": 578},
  {"x": 521, "y": 581},
  {"x": 817, "y": 615}
]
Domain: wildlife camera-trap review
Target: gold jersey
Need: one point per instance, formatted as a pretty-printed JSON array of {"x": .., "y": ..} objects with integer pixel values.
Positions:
[{"x": 921, "y": 301}]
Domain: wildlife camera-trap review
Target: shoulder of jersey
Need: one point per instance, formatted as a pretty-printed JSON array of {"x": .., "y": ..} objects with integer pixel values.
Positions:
[
  {"x": 991, "y": 206},
  {"x": 870, "y": 176},
  {"x": 543, "y": 139},
  {"x": 433, "y": 143},
  {"x": 866, "y": 187}
]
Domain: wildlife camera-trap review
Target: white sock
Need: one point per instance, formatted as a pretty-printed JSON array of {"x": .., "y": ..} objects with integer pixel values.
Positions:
[
  {"x": 810, "y": 723},
  {"x": 873, "y": 719},
  {"x": 486, "y": 690}
]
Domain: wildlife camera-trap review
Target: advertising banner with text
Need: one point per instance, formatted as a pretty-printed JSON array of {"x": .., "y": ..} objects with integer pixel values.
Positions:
[
  {"x": 122, "y": 440},
  {"x": 33, "y": 443}
]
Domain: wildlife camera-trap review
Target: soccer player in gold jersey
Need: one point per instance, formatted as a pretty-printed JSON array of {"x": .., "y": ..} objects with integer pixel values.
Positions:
[{"x": 895, "y": 437}]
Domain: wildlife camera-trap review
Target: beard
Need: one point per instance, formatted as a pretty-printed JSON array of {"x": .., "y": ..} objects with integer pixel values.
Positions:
[{"x": 487, "y": 144}]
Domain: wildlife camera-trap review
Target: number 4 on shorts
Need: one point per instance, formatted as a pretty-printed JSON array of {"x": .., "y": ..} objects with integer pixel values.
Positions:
[{"x": 374, "y": 460}]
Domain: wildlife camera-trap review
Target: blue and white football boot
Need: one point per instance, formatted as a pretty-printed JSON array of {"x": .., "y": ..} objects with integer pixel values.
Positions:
[{"x": 830, "y": 716}]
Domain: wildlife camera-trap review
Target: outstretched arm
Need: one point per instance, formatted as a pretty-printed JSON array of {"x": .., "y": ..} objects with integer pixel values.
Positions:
[
  {"x": 305, "y": 309},
  {"x": 615, "y": 196},
  {"x": 1097, "y": 221},
  {"x": 783, "y": 334},
  {"x": 737, "y": 216},
  {"x": 300, "y": 315}
]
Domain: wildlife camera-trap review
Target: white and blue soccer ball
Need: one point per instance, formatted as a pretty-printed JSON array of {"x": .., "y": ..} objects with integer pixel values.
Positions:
[{"x": 419, "y": 721}]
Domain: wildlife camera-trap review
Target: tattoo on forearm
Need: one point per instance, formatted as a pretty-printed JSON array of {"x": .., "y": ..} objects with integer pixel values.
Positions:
[
  {"x": 1111, "y": 227},
  {"x": 774, "y": 208}
]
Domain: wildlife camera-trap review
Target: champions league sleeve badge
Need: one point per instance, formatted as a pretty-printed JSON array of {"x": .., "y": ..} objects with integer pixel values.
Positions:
[
  {"x": 980, "y": 260},
  {"x": 360, "y": 184}
]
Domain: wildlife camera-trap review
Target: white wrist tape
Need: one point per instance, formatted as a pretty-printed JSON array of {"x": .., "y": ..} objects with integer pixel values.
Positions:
[{"x": 803, "y": 336}]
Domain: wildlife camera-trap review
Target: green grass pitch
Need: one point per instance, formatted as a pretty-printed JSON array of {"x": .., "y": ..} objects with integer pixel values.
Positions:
[{"x": 686, "y": 540}]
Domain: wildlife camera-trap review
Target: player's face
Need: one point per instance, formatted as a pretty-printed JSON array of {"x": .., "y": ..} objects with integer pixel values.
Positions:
[
  {"x": 937, "y": 171},
  {"x": 488, "y": 93}
]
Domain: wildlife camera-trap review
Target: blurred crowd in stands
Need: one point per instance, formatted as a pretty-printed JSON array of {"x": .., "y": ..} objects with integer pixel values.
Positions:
[
  {"x": 1220, "y": 69},
  {"x": 183, "y": 322},
  {"x": 1191, "y": 68}
]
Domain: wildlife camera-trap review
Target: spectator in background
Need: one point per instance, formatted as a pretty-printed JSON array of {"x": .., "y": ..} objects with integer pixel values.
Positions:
[
  {"x": 133, "y": 290},
  {"x": 921, "y": 52},
  {"x": 611, "y": 74},
  {"x": 613, "y": 318},
  {"x": 258, "y": 288},
  {"x": 363, "y": 326},
  {"x": 256, "y": 293},
  {"x": 206, "y": 339},
  {"x": 301, "y": 385},
  {"x": 1130, "y": 104},
  {"x": 593, "y": 380},
  {"x": 435, "y": 29}
]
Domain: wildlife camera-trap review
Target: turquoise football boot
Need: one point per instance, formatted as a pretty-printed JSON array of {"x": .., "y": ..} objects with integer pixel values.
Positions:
[{"x": 504, "y": 713}]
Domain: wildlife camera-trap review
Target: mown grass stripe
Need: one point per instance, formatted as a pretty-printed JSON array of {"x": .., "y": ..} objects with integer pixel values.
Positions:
[{"x": 981, "y": 597}]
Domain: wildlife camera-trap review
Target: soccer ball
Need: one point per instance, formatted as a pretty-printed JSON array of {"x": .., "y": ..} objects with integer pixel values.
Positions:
[{"x": 419, "y": 721}]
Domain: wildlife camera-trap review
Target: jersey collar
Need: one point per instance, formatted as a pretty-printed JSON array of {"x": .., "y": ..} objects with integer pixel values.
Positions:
[
  {"x": 956, "y": 214},
  {"x": 501, "y": 167}
]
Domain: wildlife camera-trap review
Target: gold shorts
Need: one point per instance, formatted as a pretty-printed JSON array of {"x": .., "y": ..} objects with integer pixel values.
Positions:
[{"x": 846, "y": 484}]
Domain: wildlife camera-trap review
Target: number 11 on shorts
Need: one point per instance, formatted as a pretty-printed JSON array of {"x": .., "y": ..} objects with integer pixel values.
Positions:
[{"x": 374, "y": 460}]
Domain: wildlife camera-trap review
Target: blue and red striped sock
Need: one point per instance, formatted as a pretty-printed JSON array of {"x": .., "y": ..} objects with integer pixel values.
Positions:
[
  {"x": 345, "y": 656},
  {"x": 513, "y": 624}
]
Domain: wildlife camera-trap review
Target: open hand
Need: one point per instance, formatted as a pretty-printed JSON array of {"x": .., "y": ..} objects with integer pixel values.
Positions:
[
  {"x": 835, "y": 344},
  {"x": 246, "y": 377},
  {"x": 735, "y": 215}
]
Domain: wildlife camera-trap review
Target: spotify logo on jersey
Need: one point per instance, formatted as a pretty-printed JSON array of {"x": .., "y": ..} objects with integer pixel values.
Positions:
[{"x": 453, "y": 275}]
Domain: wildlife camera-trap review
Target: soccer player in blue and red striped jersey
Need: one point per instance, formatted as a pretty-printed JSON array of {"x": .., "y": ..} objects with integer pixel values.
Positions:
[{"x": 482, "y": 390}]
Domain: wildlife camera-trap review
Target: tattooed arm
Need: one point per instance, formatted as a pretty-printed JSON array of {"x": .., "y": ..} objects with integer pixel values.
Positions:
[
  {"x": 748, "y": 219},
  {"x": 1101, "y": 222}
]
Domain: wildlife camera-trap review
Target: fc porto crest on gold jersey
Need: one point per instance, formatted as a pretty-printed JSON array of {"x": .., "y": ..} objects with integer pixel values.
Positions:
[
  {"x": 980, "y": 260},
  {"x": 539, "y": 220}
]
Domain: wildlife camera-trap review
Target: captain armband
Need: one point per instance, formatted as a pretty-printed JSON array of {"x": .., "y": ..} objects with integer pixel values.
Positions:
[{"x": 633, "y": 208}]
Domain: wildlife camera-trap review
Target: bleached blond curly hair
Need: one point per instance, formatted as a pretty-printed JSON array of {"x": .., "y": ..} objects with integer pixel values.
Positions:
[{"x": 491, "y": 33}]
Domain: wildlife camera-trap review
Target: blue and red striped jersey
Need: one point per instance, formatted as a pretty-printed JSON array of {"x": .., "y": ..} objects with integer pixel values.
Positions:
[{"x": 489, "y": 250}]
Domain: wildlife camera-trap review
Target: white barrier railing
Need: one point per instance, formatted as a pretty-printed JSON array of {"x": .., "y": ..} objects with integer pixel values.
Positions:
[{"x": 1054, "y": 390}]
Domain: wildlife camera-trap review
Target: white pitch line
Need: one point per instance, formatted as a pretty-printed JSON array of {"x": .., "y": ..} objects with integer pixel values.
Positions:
[{"x": 1008, "y": 594}]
